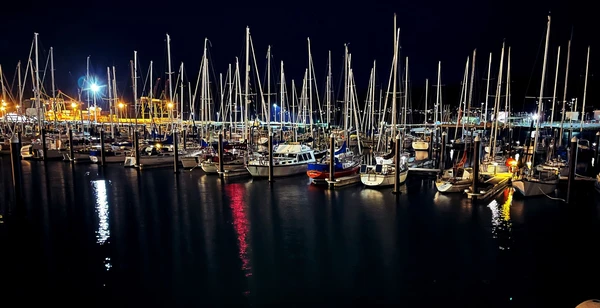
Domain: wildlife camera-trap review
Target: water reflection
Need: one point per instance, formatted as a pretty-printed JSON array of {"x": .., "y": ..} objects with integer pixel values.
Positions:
[
  {"x": 103, "y": 233},
  {"x": 501, "y": 222},
  {"x": 236, "y": 193}
]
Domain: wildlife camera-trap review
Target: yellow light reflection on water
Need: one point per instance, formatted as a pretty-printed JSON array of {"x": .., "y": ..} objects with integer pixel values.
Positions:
[{"x": 501, "y": 223}]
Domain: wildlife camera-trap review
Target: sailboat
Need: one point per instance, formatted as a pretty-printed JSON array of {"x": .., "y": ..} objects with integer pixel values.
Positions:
[
  {"x": 383, "y": 173},
  {"x": 455, "y": 179},
  {"x": 346, "y": 163},
  {"x": 534, "y": 182}
]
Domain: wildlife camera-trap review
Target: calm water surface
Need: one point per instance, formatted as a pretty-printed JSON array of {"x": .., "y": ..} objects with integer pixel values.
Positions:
[{"x": 120, "y": 237}]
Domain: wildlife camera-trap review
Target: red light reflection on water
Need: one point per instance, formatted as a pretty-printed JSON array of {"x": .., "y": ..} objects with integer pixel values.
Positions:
[{"x": 236, "y": 193}]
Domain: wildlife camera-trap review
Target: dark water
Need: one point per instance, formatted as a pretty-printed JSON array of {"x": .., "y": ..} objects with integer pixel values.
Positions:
[{"x": 123, "y": 238}]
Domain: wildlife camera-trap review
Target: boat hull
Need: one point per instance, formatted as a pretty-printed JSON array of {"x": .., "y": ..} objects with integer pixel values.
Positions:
[
  {"x": 529, "y": 188},
  {"x": 450, "y": 187},
  {"x": 381, "y": 180},
  {"x": 148, "y": 161},
  {"x": 322, "y": 175},
  {"x": 278, "y": 171}
]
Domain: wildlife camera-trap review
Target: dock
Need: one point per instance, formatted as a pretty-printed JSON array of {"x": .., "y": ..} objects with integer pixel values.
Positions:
[
  {"x": 423, "y": 171},
  {"x": 495, "y": 184},
  {"x": 344, "y": 181}
]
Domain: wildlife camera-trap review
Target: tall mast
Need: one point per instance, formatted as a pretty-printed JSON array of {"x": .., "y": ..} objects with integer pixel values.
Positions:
[
  {"x": 53, "y": 86},
  {"x": 437, "y": 94},
  {"x": 328, "y": 91},
  {"x": 470, "y": 101},
  {"x": 507, "y": 95},
  {"x": 269, "y": 87},
  {"x": 169, "y": 73},
  {"x": 346, "y": 95},
  {"x": 587, "y": 66},
  {"x": 395, "y": 81},
  {"x": 562, "y": 119},
  {"x": 110, "y": 103},
  {"x": 281, "y": 97},
  {"x": 246, "y": 84},
  {"x": 494, "y": 133},
  {"x": 37, "y": 85},
  {"x": 404, "y": 112},
  {"x": 487, "y": 93},
  {"x": 555, "y": 83},
  {"x": 114, "y": 87},
  {"x": 426, "y": 98},
  {"x": 135, "y": 92},
  {"x": 151, "y": 93},
  {"x": 181, "y": 93},
  {"x": 20, "y": 85},
  {"x": 539, "y": 111},
  {"x": 310, "y": 73},
  {"x": 87, "y": 81}
]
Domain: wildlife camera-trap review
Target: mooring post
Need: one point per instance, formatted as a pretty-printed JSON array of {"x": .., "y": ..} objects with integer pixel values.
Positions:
[
  {"x": 184, "y": 136},
  {"x": 44, "y": 150},
  {"x": 397, "y": 165},
  {"x": 442, "y": 163},
  {"x": 176, "y": 152},
  {"x": 136, "y": 148},
  {"x": 102, "y": 154},
  {"x": 271, "y": 155},
  {"x": 510, "y": 139},
  {"x": 572, "y": 165},
  {"x": 130, "y": 131},
  {"x": 476, "y": 160},
  {"x": 331, "y": 160},
  {"x": 597, "y": 149},
  {"x": 71, "y": 150},
  {"x": 430, "y": 152},
  {"x": 15, "y": 159},
  {"x": 220, "y": 152}
]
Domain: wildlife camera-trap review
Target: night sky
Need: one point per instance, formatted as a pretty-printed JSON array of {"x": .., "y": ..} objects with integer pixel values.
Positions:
[{"x": 430, "y": 31}]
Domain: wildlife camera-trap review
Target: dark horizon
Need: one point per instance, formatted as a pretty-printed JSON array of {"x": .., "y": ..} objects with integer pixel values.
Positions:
[{"x": 440, "y": 32}]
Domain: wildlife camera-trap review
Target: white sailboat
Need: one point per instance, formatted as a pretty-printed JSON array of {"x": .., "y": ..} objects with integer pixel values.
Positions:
[
  {"x": 288, "y": 159},
  {"x": 534, "y": 182}
]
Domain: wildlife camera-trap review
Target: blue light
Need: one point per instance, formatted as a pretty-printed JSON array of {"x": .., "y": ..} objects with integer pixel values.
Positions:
[{"x": 94, "y": 87}]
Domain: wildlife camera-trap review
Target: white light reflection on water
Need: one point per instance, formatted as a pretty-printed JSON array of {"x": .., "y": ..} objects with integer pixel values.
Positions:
[
  {"x": 501, "y": 223},
  {"x": 103, "y": 233}
]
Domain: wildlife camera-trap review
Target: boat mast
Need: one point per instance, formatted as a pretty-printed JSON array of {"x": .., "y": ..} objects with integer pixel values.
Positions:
[
  {"x": 328, "y": 91},
  {"x": 346, "y": 69},
  {"x": 110, "y": 104},
  {"x": 246, "y": 84},
  {"x": 437, "y": 96},
  {"x": 181, "y": 93},
  {"x": 394, "y": 82},
  {"x": 539, "y": 111},
  {"x": 470, "y": 101},
  {"x": 587, "y": 66},
  {"x": 507, "y": 95},
  {"x": 494, "y": 133},
  {"x": 487, "y": 93},
  {"x": 169, "y": 73},
  {"x": 135, "y": 98},
  {"x": 310, "y": 101},
  {"x": 53, "y": 86},
  {"x": 114, "y": 88},
  {"x": 20, "y": 86},
  {"x": 281, "y": 98},
  {"x": 404, "y": 112},
  {"x": 562, "y": 119},
  {"x": 426, "y": 98},
  {"x": 269, "y": 88},
  {"x": 555, "y": 83},
  {"x": 37, "y": 85}
]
